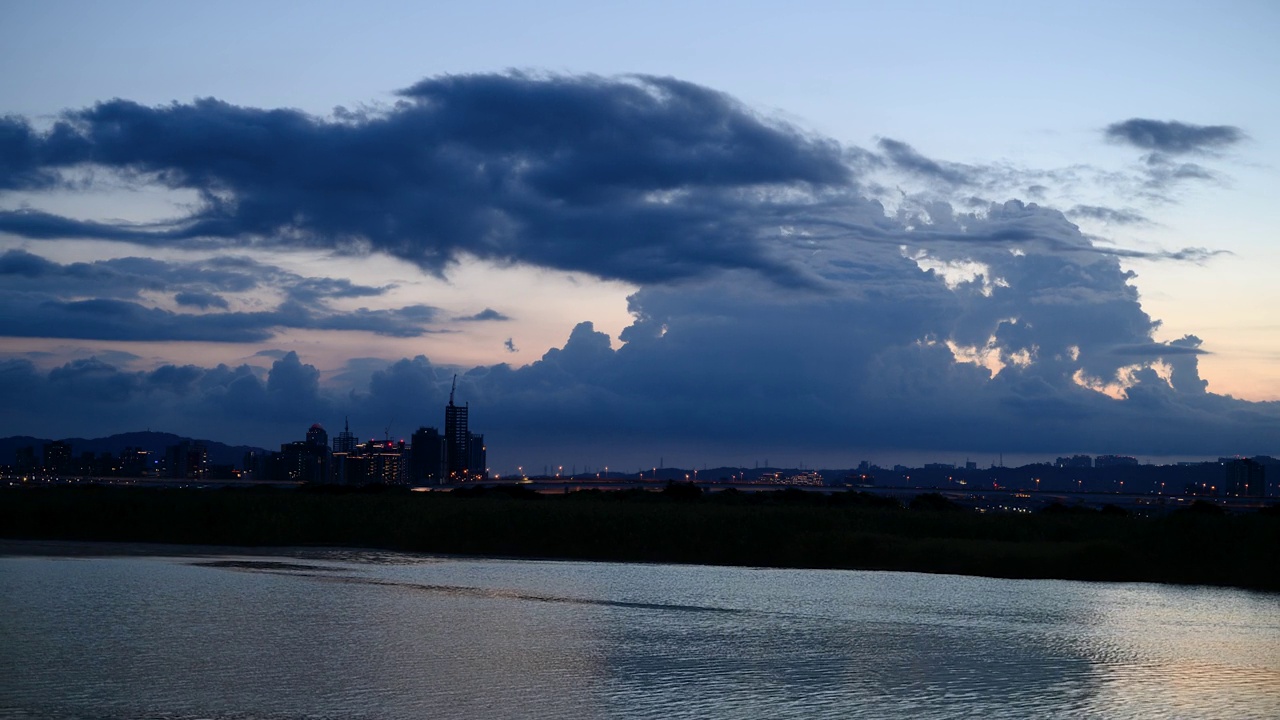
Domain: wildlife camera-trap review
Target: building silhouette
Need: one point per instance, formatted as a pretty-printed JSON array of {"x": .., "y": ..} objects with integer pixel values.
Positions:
[
  {"x": 25, "y": 460},
  {"x": 344, "y": 446},
  {"x": 477, "y": 456},
  {"x": 457, "y": 438},
  {"x": 427, "y": 457},
  {"x": 316, "y": 435},
  {"x": 377, "y": 462},
  {"x": 1244, "y": 478},
  {"x": 1111, "y": 461},
  {"x": 187, "y": 460},
  {"x": 307, "y": 460},
  {"x": 345, "y": 442},
  {"x": 1076, "y": 461},
  {"x": 57, "y": 457}
]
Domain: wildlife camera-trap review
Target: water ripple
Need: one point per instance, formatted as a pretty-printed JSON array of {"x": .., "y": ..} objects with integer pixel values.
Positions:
[{"x": 314, "y": 636}]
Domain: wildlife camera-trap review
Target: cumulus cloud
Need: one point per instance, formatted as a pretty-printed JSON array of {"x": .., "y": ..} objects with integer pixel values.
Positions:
[
  {"x": 722, "y": 379},
  {"x": 96, "y": 397},
  {"x": 1036, "y": 351}
]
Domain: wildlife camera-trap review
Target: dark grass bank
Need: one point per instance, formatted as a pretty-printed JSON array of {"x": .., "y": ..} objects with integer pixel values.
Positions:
[{"x": 852, "y": 531}]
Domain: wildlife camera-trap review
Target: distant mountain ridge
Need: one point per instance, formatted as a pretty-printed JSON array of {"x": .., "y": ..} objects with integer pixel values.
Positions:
[{"x": 154, "y": 442}]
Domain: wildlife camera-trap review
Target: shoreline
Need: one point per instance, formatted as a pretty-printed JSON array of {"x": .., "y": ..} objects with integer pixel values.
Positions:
[{"x": 108, "y": 549}]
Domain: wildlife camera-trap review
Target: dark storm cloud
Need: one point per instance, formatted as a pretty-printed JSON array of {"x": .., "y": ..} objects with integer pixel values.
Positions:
[
  {"x": 643, "y": 179},
  {"x": 308, "y": 290},
  {"x": 780, "y": 306},
  {"x": 905, "y": 157},
  {"x": 1010, "y": 225},
  {"x": 123, "y": 320},
  {"x": 200, "y": 300},
  {"x": 104, "y": 300},
  {"x": 484, "y": 315},
  {"x": 407, "y": 321},
  {"x": 718, "y": 370},
  {"x": 868, "y": 363},
  {"x": 639, "y": 178},
  {"x": 43, "y": 226},
  {"x": 1162, "y": 169},
  {"x": 24, "y": 264},
  {"x": 128, "y": 277},
  {"x": 1173, "y": 137},
  {"x": 23, "y": 164}
]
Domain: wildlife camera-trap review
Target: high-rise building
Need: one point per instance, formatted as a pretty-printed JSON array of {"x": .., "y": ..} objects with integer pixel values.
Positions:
[
  {"x": 1244, "y": 478},
  {"x": 138, "y": 462},
  {"x": 317, "y": 436},
  {"x": 457, "y": 438},
  {"x": 345, "y": 442},
  {"x": 25, "y": 459},
  {"x": 187, "y": 460},
  {"x": 377, "y": 462},
  {"x": 427, "y": 457},
  {"x": 1077, "y": 461},
  {"x": 1106, "y": 461},
  {"x": 307, "y": 460},
  {"x": 477, "y": 460},
  {"x": 57, "y": 457},
  {"x": 263, "y": 465},
  {"x": 344, "y": 446}
]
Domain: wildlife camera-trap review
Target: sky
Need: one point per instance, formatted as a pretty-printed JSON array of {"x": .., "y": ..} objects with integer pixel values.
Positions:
[{"x": 730, "y": 233}]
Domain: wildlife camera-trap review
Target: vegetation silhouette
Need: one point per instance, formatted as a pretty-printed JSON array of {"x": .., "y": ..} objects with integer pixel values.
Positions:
[
  {"x": 1201, "y": 508},
  {"x": 790, "y": 528},
  {"x": 933, "y": 502},
  {"x": 686, "y": 491}
]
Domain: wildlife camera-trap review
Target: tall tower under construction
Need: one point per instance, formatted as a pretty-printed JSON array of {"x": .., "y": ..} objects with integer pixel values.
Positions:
[{"x": 457, "y": 437}]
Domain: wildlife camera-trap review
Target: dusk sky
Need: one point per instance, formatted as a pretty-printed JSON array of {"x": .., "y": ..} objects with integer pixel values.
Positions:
[{"x": 715, "y": 234}]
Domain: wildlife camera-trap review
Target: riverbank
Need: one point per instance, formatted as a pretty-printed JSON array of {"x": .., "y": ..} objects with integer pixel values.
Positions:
[{"x": 849, "y": 531}]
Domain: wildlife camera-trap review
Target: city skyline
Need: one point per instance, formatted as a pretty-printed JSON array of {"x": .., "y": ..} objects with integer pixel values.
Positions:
[
  {"x": 712, "y": 236},
  {"x": 22, "y": 453}
]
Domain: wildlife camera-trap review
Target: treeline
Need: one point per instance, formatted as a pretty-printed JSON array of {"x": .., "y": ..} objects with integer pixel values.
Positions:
[{"x": 1200, "y": 545}]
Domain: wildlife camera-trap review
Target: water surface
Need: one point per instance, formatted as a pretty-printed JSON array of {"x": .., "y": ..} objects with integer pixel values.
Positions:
[{"x": 354, "y": 634}]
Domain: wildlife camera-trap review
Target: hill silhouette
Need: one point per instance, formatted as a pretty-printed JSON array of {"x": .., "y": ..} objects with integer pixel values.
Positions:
[{"x": 154, "y": 442}]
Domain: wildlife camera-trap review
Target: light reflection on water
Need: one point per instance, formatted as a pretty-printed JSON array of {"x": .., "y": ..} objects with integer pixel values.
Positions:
[{"x": 328, "y": 634}]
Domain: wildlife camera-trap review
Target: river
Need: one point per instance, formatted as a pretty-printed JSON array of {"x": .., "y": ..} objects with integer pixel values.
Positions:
[{"x": 96, "y": 632}]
